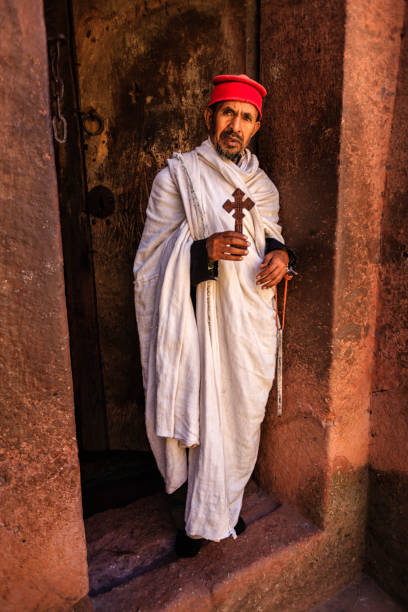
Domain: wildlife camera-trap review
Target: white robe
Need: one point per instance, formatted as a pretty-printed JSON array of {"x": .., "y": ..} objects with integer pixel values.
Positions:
[{"x": 206, "y": 376}]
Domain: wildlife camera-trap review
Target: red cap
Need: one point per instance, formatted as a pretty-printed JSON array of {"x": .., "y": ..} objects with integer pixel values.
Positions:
[{"x": 237, "y": 87}]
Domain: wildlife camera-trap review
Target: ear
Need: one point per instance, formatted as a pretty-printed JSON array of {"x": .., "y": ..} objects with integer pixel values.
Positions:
[
  {"x": 208, "y": 118},
  {"x": 257, "y": 125}
]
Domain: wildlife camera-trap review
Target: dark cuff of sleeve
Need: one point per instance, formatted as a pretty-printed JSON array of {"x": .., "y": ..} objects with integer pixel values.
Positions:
[
  {"x": 200, "y": 268},
  {"x": 273, "y": 245}
]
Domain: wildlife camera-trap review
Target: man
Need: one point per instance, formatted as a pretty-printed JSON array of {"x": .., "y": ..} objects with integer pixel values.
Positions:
[{"x": 205, "y": 308}]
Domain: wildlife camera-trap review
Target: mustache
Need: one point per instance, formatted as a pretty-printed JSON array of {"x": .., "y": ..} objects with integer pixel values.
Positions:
[{"x": 230, "y": 132}]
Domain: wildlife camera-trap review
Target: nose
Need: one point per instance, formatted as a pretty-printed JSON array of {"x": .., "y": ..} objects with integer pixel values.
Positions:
[{"x": 236, "y": 124}]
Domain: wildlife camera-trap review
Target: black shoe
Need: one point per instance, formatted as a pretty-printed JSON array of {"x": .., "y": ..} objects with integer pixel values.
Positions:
[
  {"x": 185, "y": 546},
  {"x": 240, "y": 526}
]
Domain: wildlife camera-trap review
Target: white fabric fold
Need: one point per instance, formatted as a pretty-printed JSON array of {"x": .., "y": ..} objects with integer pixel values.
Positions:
[{"x": 207, "y": 374}]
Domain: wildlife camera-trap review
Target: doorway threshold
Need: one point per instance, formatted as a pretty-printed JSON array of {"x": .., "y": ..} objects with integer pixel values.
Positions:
[{"x": 133, "y": 565}]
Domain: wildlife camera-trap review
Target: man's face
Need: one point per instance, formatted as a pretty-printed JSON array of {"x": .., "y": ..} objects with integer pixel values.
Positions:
[{"x": 231, "y": 127}]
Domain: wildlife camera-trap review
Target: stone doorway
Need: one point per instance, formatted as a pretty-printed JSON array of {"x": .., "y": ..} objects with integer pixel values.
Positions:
[
  {"x": 133, "y": 81},
  {"x": 134, "y": 75}
]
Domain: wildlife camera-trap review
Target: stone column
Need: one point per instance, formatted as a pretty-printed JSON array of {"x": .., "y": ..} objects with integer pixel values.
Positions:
[
  {"x": 43, "y": 554},
  {"x": 302, "y": 50},
  {"x": 331, "y": 70},
  {"x": 387, "y": 524}
]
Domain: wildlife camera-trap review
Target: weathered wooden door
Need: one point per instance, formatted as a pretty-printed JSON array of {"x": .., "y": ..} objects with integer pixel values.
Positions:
[{"x": 144, "y": 75}]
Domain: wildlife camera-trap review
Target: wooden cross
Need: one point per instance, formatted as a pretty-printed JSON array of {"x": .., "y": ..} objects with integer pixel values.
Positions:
[{"x": 239, "y": 204}]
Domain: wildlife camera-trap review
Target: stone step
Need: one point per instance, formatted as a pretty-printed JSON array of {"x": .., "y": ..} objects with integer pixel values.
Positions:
[
  {"x": 127, "y": 542},
  {"x": 280, "y": 563}
]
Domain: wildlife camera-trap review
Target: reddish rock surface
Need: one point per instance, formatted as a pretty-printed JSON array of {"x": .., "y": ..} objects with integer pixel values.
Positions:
[
  {"x": 301, "y": 60},
  {"x": 362, "y": 595},
  {"x": 223, "y": 575},
  {"x": 334, "y": 140},
  {"x": 373, "y": 238},
  {"x": 43, "y": 554},
  {"x": 84, "y": 605},
  {"x": 128, "y": 542},
  {"x": 387, "y": 525},
  {"x": 281, "y": 562}
]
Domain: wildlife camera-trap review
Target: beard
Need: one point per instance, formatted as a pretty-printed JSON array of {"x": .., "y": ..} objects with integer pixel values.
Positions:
[
  {"x": 231, "y": 156},
  {"x": 225, "y": 153}
]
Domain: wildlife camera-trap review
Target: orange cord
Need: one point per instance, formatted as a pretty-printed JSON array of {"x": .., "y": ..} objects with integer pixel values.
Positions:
[{"x": 285, "y": 295}]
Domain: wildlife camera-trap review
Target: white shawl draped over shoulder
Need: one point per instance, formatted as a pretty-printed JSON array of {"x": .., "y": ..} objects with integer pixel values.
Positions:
[{"x": 207, "y": 374}]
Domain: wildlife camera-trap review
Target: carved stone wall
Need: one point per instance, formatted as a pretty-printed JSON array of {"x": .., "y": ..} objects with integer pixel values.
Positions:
[
  {"x": 43, "y": 555},
  {"x": 387, "y": 525},
  {"x": 335, "y": 142}
]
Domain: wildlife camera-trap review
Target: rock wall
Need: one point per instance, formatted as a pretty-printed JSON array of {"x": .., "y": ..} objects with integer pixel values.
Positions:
[
  {"x": 299, "y": 143},
  {"x": 387, "y": 525},
  {"x": 328, "y": 144},
  {"x": 43, "y": 555}
]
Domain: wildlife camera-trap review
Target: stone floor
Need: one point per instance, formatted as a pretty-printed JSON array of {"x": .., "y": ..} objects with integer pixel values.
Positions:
[{"x": 362, "y": 595}]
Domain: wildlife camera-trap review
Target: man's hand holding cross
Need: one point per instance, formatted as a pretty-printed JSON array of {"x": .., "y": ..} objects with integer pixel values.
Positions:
[{"x": 233, "y": 246}]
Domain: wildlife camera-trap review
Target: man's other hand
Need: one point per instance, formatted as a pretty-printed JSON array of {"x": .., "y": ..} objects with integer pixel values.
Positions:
[
  {"x": 272, "y": 269},
  {"x": 231, "y": 246}
]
